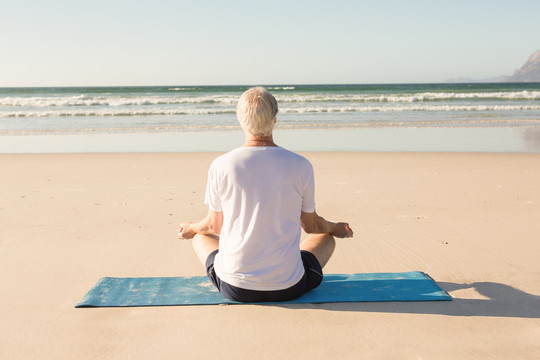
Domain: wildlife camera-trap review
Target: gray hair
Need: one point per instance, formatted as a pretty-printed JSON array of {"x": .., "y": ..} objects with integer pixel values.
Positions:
[{"x": 256, "y": 111}]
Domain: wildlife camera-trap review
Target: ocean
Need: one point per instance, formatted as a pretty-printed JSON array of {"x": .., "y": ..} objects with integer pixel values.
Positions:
[{"x": 184, "y": 112}]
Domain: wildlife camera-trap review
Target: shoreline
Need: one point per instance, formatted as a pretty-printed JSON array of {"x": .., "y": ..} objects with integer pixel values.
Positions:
[
  {"x": 469, "y": 220},
  {"x": 522, "y": 139}
]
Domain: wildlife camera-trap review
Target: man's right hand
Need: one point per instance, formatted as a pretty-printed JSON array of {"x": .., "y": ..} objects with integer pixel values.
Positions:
[{"x": 186, "y": 232}]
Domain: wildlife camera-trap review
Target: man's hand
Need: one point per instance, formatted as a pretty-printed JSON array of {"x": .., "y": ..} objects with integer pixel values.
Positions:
[
  {"x": 186, "y": 232},
  {"x": 315, "y": 224},
  {"x": 211, "y": 224},
  {"x": 342, "y": 230}
]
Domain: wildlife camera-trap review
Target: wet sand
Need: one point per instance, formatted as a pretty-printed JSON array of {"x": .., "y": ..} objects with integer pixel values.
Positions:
[{"x": 509, "y": 139}]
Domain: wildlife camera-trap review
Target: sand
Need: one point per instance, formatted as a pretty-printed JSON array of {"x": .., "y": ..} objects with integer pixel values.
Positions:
[{"x": 470, "y": 220}]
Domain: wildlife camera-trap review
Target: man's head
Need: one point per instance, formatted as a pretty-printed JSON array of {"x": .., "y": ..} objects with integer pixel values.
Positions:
[{"x": 256, "y": 111}]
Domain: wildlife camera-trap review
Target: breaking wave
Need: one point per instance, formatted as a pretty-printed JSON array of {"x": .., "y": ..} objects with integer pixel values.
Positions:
[
  {"x": 283, "y": 98},
  {"x": 155, "y": 111},
  {"x": 192, "y": 108}
]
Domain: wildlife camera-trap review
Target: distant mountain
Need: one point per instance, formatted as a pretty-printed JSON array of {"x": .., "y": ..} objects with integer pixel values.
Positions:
[
  {"x": 464, "y": 80},
  {"x": 530, "y": 71}
]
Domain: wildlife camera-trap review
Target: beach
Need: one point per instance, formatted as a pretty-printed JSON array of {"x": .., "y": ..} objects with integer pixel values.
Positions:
[{"x": 468, "y": 219}]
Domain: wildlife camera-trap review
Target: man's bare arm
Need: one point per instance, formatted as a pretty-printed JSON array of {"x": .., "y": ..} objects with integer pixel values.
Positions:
[
  {"x": 312, "y": 223},
  {"x": 211, "y": 224}
]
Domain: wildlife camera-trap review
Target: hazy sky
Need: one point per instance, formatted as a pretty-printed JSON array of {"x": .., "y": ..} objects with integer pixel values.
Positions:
[{"x": 198, "y": 42}]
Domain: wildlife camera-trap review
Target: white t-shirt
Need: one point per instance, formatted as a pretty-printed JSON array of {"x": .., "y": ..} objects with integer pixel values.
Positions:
[{"x": 261, "y": 192}]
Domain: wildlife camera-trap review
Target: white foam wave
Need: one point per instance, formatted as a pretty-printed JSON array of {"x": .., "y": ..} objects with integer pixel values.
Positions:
[
  {"x": 410, "y": 98},
  {"x": 407, "y": 108},
  {"x": 118, "y": 129},
  {"x": 281, "y": 88},
  {"x": 183, "y": 89},
  {"x": 113, "y": 101},
  {"x": 283, "y": 98},
  {"x": 113, "y": 112},
  {"x": 415, "y": 123},
  {"x": 148, "y": 111}
]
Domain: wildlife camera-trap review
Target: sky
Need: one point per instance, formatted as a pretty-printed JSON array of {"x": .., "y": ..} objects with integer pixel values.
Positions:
[{"x": 228, "y": 42}]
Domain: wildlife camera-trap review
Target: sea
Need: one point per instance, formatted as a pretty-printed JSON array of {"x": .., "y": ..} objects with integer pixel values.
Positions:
[{"x": 490, "y": 117}]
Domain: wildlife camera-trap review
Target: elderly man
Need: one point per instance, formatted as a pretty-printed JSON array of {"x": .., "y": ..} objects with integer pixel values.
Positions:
[{"x": 259, "y": 197}]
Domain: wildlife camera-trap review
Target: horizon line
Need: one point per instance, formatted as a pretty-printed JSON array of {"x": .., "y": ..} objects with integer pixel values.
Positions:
[{"x": 269, "y": 84}]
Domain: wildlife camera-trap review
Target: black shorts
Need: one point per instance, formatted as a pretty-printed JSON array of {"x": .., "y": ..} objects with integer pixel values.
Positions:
[{"x": 311, "y": 279}]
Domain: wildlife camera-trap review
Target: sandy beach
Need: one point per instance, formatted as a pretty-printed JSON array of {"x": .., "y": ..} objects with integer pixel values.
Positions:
[{"x": 469, "y": 220}]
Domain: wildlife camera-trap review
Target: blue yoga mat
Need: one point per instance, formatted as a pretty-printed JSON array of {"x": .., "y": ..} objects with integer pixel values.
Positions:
[{"x": 198, "y": 290}]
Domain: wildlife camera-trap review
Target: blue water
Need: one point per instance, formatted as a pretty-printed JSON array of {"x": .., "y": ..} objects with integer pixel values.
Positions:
[{"x": 35, "y": 112}]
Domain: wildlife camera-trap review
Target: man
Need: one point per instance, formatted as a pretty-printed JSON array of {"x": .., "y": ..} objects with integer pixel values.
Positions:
[{"x": 259, "y": 197}]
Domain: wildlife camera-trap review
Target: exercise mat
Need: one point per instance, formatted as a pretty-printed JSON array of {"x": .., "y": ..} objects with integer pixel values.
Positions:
[{"x": 198, "y": 290}]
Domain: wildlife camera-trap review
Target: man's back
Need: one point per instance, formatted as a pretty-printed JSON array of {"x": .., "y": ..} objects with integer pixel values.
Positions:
[
  {"x": 260, "y": 196},
  {"x": 261, "y": 191}
]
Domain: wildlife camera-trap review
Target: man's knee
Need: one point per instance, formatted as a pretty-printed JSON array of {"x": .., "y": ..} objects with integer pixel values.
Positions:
[
  {"x": 203, "y": 245},
  {"x": 329, "y": 244},
  {"x": 320, "y": 245}
]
